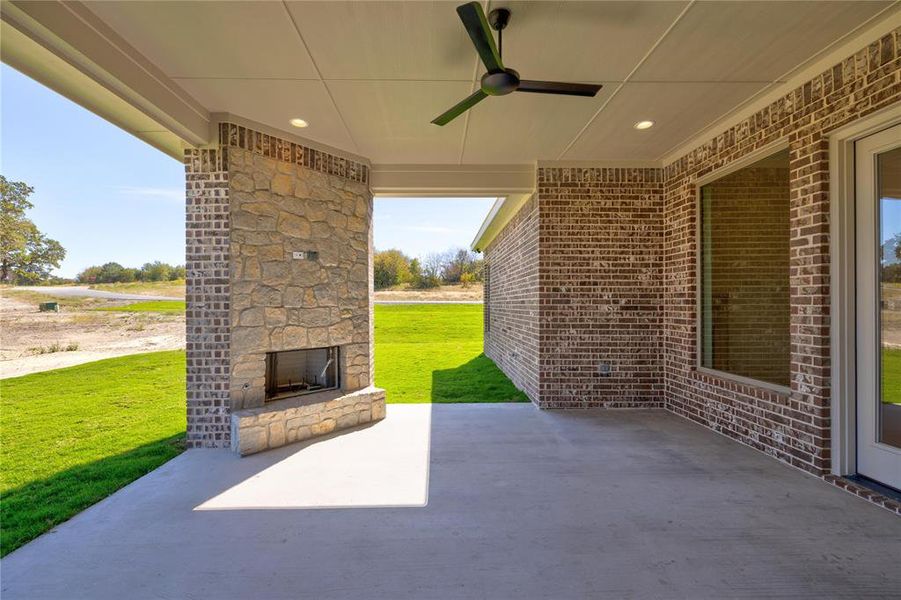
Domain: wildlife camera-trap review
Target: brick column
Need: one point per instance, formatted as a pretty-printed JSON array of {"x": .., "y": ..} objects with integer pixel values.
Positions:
[{"x": 208, "y": 290}]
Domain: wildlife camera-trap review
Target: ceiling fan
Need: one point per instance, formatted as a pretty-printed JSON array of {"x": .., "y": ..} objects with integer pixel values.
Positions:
[{"x": 500, "y": 81}]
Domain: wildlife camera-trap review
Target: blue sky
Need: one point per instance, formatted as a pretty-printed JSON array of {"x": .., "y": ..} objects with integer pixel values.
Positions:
[{"x": 107, "y": 196}]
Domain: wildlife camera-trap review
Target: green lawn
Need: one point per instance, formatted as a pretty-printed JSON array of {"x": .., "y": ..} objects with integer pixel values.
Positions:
[
  {"x": 172, "y": 289},
  {"x": 71, "y": 437},
  {"x": 159, "y": 306},
  {"x": 891, "y": 376},
  {"x": 433, "y": 353}
]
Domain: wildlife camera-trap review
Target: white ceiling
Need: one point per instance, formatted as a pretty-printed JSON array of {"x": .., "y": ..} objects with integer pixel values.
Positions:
[{"x": 370, "y": 76}]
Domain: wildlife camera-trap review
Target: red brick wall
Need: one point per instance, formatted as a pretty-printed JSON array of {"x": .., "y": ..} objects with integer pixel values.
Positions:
[
  {"x": 603, "y": 298},
  {"x": 794, "y": 427},
  {"x": 601, "y": 233},
  {"x": 745, "y": 238},
  {"x": 511, "y": 300}
]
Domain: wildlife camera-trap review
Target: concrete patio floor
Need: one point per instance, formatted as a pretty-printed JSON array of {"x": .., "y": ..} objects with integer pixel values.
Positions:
[{"x": 520, "y": 504}]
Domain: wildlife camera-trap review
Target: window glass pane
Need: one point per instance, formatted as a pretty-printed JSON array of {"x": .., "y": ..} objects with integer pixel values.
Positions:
[
  {"x": 888, "y": 173},
  {"x": 744, "y": 267}
]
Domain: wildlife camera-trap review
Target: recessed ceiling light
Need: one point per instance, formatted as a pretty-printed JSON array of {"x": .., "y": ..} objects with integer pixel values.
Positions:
[
  {"x": 298, "y": 122},
  {"x": 644, "y": 125}
]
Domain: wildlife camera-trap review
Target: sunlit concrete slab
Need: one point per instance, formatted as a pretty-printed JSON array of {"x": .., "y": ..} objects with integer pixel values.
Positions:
[
  {"x": 521, "y": 503},
  {"x": 386, "y": 464}
]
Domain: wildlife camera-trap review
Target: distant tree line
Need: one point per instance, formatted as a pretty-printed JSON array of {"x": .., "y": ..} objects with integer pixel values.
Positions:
[
  {"x": 890, "y": 256},
  {"x": 113, "y": 272},
  {"x": 393, "y": 268},
  {"x": 27, "y": 256}
]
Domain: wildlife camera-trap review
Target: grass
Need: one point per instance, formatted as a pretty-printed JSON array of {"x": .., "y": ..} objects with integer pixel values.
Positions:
[
  {"x": 433, "y": 353},
  {"x": 158, "y": 306},
  {"x": 71, "y": 437},
  {"x": 152, "y": 288},
  {"x": 891, "y": 376}
]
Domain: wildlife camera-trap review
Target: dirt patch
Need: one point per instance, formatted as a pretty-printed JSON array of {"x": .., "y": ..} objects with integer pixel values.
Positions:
[
  {"x": 32, "y": 341},
  {"x": 445, "y": 293}
]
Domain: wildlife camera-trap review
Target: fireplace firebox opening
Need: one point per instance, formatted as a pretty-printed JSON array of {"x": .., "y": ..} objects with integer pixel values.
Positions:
[{"x": 297, "y": 372}]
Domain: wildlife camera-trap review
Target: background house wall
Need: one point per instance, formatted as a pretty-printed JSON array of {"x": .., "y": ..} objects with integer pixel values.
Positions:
[
  {"x": 511, "y": 299},
  {"x": 793, "y": 427}
]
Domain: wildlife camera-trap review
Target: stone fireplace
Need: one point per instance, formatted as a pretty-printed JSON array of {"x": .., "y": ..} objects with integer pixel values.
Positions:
[{"x": 297, "y": 320}]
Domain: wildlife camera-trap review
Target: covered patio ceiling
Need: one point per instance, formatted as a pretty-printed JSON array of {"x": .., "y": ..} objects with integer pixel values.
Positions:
[{"x": 370, "y": 76}]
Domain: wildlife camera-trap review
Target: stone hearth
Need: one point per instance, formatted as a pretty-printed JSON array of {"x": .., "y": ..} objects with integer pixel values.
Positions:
[{"x": 304, "y": 417}]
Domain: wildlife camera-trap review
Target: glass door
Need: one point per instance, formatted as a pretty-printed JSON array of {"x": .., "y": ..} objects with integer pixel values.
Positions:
[{"x": 878, "y": 246}]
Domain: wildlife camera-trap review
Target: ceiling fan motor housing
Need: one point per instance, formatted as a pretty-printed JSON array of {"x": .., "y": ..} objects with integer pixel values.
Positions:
[
  {"x": 498, "y": 18},
  {"x": 500, "y": 83}
]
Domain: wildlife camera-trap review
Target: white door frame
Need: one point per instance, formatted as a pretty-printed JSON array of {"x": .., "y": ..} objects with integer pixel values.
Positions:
[{"x": 843, "y": 283}]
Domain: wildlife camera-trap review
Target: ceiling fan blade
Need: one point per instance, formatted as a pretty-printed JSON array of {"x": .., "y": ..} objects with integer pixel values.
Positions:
[
  {"x": 559, "y": 87},
  {"x": 459, "y": 108},
  {"x": 476, "y": 24}
]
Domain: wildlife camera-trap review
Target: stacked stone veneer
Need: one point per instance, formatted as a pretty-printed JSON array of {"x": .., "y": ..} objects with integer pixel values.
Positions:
[
  {"x": 792, "y": 426},
  {"x": 297, "y": 419},
  {"x": 252, "y": 203},
  {"x": 281, "y": 303}
]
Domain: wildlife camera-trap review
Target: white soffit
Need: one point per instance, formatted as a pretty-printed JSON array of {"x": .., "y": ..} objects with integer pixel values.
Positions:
[
  {"x": 672, "y": 106},
  {"x": 211, "y": 40},
  {"x": 452, "y": 180},
  {"x": 508, "y": 127},
  {"x": 750, "y": 41},
  {"x": 385, "y": 40},
  {"x": 369, "y": 76},
  {"x": 503, "y": 210},
  {"x": 22, "y": 53},
  {"x": 587, "y": 42},
  {"x": 274, "y": 103},
  {"x": 385, "y": 118}
]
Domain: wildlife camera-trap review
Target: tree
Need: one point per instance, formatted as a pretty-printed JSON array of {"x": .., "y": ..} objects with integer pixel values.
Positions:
[
  {"x": 26, "y": 254},
  {"x": 456, "y": 263},
  {"x": 390, "y": 268},
  {"x": 156, "y": 271},
  {"x": 429, "y": 272},
  {"x": 420, "y": 277},
  {"x": 89, "y": 275},
  {"x": 113, "y": 272},
  {"x": 178, "y": 272}
]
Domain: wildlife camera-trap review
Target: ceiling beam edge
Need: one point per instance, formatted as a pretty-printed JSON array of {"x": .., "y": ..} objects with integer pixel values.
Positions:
[{"x": 64, "y": 31}]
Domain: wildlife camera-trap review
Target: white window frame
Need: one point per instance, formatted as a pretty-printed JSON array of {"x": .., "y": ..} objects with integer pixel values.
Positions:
[{"x": 843, "y": 325}]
